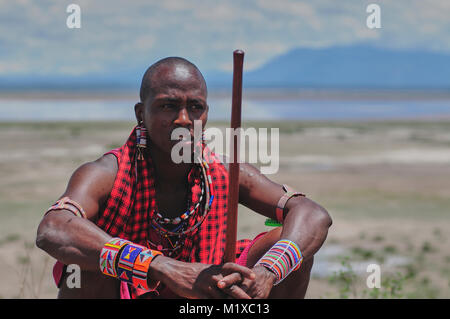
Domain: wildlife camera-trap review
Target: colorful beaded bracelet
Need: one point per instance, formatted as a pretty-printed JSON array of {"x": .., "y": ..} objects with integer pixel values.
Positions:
[
  {"x": 109, "y": 254},
  {"x": 128, "y": 262},
  {"x": 140, "y": 269},
  {"x": 283, "y": 258}
]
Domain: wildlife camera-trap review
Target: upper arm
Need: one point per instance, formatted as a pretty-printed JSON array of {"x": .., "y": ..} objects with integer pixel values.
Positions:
[
  {"x": 91, "y": 184},
  {"x": 258, "y": 192},
  {"x": 262, "y": 195}
]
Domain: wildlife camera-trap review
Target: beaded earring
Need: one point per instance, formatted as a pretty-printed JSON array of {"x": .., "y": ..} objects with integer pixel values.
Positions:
[
  {"x": 141, "y": 140},
  {"x": 198, "y": 148}
]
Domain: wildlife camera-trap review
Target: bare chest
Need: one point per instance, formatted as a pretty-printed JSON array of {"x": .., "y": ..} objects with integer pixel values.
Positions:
[{"x": 171, "y": 204}]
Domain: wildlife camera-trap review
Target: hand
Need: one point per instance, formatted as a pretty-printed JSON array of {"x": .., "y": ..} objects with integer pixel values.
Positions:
[
  {"x": 196, "y": 280},
  {"x": 226, "y": 282},
  {"x": 257, "y": 288}
]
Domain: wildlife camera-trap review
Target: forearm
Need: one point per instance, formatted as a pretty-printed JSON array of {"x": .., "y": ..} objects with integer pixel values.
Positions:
[
  {"x": 306, "y": 224},
  {"x": 162, "y": 268},
  {"x": 170, "y": 271},
  {"x": 71, "y": 240}
]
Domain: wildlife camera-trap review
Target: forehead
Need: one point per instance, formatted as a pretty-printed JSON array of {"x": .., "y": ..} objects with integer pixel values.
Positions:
[{"x": 173, "y": 79}]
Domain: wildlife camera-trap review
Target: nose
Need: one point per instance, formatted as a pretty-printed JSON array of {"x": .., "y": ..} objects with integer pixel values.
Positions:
[{"x": 183, "y": 118}]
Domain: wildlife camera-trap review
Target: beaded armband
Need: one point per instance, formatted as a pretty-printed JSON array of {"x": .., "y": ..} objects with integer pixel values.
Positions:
[
  {"x": 283, "y": 200},
  {"x": 68, "y": 204}
]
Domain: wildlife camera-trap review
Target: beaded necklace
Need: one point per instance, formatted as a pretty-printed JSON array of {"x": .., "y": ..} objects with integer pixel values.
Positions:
[
  {"x": 175, "y": 236},
  {"x": 175, "y": 221}
]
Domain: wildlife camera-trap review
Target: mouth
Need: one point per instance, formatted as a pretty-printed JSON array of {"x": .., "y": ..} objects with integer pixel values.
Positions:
[{"x": 187, "y": 140}]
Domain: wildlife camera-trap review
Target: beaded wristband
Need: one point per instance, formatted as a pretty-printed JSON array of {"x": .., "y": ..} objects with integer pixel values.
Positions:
[
  {"x": 283, "y": 258},
  {"x": 140, "y": 269},
  {"x": 126, "y": 261},
  {"x": 109, "y": 254}
]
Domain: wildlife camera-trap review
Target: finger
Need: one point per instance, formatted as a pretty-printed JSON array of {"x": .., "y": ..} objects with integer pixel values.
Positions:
[
  {"x": 247, "y": 285},
  {"x": 215, "y": 293},
  {"x": 236, "y": 292},
  {"x": 244, "y": 271},
  {"x": 229, "y": 280}
]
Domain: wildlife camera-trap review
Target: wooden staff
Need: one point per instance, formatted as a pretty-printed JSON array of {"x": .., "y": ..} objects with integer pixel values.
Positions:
[{"x": 233, "y": 172}]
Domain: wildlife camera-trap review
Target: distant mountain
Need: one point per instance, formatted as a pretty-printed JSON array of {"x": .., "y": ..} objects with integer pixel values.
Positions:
[
  {"x": 354, "y": 66},
  {"x": 113, "y": 79}
]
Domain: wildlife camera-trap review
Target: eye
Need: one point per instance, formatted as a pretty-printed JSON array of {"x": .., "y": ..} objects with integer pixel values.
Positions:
[
  {"x": 197, "y": 107},
  {"x": 168, "y": 107}
]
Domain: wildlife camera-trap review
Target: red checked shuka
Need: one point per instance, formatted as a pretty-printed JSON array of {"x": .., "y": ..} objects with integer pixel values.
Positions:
[{"x": 131, "y": 207}]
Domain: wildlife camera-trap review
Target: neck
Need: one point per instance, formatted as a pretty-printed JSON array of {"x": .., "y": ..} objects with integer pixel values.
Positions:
[{"x": 168, "y": 173}]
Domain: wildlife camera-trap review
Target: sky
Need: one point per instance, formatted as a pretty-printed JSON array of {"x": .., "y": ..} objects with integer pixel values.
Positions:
[{"x": 34, "y": 37}]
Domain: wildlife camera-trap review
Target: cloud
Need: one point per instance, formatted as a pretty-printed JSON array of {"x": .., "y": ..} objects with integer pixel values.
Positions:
[{"x": 34, "y": 37}]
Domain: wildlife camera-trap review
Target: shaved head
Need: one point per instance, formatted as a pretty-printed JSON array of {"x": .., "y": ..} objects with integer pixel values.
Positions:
[
  {"x": 173, "y": 95},
  {"x": 179, "y": 68}
]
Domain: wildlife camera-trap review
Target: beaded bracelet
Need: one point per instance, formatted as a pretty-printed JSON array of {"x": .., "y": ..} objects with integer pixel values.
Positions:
[
  {"x": 128, "y": 262},
  {"x": 140, "y": 269},
  {"x": 283, "y": 258},
  {"x": 109, "y": 254}
]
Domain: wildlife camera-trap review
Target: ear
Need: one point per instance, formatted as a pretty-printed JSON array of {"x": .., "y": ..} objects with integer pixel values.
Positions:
[{"x": 139, "y": 112}]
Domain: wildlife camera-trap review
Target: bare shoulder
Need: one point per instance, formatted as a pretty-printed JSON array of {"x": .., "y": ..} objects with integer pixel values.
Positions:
[
  {"x": 105, "y": 168},
  {"x": 92, "y": 182},
  {"x": 101, "y": 172}
]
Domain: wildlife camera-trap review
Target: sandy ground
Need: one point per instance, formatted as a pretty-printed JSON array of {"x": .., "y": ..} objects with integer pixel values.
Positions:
[{"x": 386, "y": 185}]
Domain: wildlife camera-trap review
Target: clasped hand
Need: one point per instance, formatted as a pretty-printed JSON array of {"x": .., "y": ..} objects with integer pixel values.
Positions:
[{"x": 230, "y": 280}]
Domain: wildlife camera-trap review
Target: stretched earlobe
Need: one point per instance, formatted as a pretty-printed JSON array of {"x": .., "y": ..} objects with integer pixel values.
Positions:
[
  {"x": 141, "y": 140},
  {"x": 139, "y": 112}
]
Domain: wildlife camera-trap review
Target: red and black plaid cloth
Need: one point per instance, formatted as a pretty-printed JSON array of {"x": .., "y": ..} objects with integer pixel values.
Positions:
[{"x": 132, "y": 203}]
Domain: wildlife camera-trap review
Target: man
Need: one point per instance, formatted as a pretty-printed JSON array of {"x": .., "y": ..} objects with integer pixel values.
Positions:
[{"x": 137, "y": 192}]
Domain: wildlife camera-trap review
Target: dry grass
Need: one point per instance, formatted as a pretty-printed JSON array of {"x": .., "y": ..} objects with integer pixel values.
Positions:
[{"x": 386, "y": 185}]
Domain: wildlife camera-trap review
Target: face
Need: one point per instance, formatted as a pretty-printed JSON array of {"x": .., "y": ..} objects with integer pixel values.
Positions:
[{"x": 177, "y": 99}]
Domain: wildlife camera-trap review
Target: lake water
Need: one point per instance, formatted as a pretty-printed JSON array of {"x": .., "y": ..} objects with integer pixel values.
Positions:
[{"x": 91, "y": 109}]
